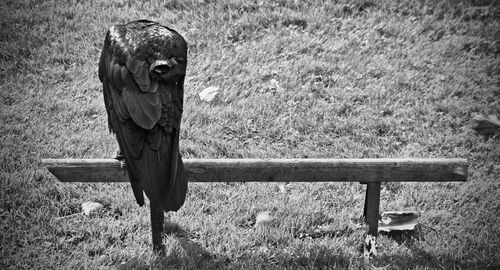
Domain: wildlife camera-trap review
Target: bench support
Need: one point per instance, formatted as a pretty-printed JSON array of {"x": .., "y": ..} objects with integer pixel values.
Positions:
[
  {"x": 372, "y": 207},
  {"x": 371, "y": 214},
  {"x": 367, "y": 171}
]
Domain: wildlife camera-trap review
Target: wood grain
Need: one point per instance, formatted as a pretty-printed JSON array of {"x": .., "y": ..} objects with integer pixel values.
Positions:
[{"x": 277, "y": 170}]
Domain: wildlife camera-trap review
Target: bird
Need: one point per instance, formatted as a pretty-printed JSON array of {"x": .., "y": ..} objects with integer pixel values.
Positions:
[{"x": 142, "y": 68}]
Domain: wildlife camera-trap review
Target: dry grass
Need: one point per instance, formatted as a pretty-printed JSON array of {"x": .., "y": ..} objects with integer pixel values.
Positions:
[{"x": 299, "y": 79}]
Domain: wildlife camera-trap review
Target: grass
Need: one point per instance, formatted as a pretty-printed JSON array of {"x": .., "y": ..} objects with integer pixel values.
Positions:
[{"x": 298, "y": 79}]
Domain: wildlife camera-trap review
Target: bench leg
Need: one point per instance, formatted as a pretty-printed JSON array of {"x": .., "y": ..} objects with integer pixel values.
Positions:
[{"x": 371, "y": 214}]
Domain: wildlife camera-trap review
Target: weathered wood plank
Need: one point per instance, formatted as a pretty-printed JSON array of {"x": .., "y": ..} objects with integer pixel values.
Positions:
[{"x": 277, "y": 170}]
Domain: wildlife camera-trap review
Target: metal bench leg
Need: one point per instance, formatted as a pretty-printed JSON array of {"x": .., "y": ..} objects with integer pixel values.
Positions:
[{"x": 371, "y": 214}]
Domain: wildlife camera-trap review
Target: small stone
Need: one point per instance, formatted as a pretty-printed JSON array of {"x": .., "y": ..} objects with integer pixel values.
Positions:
[{"x": 91, "y": 207}]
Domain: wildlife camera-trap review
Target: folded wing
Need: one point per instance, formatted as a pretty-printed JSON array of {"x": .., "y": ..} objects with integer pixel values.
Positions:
[{"x": 143, "y": 98}]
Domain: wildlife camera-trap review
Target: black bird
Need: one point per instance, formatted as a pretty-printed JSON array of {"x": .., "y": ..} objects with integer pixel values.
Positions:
[{"x": 142, "y": 70}]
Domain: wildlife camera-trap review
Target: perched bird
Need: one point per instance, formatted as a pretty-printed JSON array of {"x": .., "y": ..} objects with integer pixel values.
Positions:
[{"x": 142, "y": 69}]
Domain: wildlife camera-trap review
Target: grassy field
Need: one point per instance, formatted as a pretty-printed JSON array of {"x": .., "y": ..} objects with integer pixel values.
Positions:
[{"x": 298, "y": 79}]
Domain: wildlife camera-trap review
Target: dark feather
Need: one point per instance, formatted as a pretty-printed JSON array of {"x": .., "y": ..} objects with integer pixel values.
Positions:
[{"x": 144, "y": 107}]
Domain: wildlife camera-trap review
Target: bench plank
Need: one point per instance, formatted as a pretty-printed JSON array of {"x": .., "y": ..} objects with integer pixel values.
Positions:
[{"x": 277, "y": 170}]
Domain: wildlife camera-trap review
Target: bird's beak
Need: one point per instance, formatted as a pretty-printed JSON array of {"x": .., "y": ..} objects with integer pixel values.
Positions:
[
  {"x": 167, "y": 69},
  {"x": 163, "y": 66}
]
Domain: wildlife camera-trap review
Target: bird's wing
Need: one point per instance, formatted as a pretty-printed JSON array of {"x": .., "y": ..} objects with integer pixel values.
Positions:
[
  {"x": 143, "y": 89},
  {"x": 133, "y": 94}
]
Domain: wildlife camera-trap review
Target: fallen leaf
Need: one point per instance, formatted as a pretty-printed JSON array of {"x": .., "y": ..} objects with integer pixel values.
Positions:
[
  {"x": 281, "y": 187},
  {"x": 370, "y": 247},
  {"x": 487, "y": 125},
  {"x": 209, "y": 93},
  {"x": 263, "y": 218},
  {"x": 398, "y": 221}
]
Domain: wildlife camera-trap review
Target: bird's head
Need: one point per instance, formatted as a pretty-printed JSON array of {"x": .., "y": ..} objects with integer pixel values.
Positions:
[{"x": 171, "y": 69}]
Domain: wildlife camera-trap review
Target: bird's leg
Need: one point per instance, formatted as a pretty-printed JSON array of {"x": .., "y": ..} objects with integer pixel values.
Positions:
[
  {"x": 157, "y": 219},
  {"x": 119, "y": 157}
]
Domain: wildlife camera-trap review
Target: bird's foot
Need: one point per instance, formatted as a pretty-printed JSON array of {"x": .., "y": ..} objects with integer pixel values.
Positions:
[{"x": 119, "y": 156}]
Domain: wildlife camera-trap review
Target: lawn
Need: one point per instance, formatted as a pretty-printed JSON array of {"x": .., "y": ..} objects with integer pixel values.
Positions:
[{"x": 298, "y": 79}]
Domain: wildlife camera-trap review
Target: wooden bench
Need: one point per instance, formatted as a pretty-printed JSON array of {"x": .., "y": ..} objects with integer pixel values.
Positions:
[{"x": 371, "y": 172}]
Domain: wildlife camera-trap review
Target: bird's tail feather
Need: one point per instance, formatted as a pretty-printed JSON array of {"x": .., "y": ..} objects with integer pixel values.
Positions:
[{"x": 162, "y": 185}]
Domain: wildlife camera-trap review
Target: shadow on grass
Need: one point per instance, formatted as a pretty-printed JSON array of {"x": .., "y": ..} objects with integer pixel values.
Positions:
[
  {"x": 418, "y": 257},
  {"x": 316, "y": 257},
  {"x": 424, "y": 259},
  {"x": 183, "y": 251}
]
